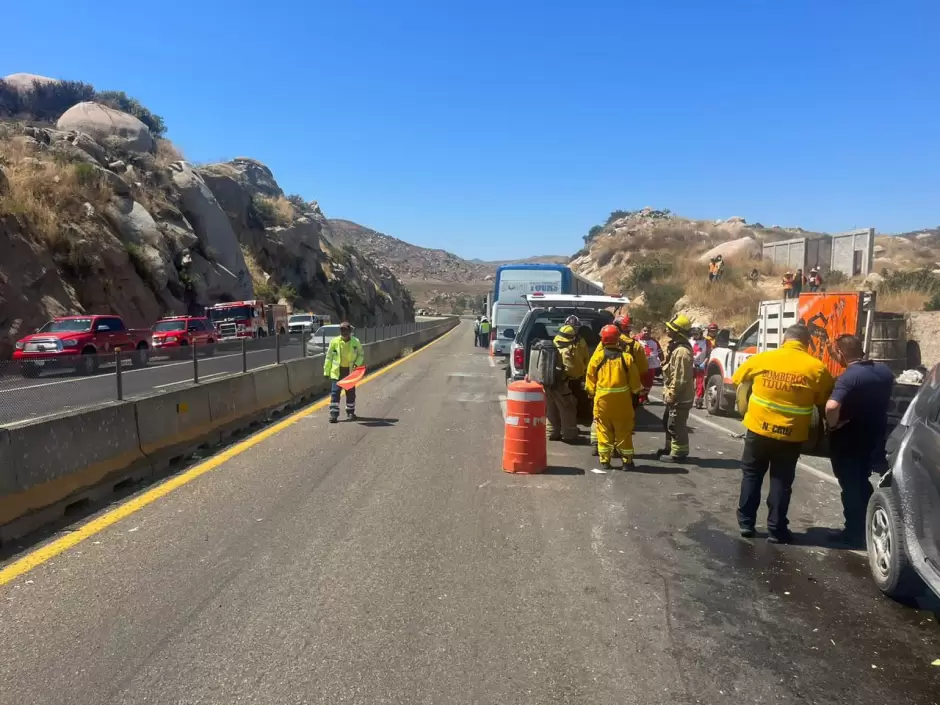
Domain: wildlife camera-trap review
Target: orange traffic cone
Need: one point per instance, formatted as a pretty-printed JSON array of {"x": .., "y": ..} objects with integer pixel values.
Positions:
[{"x": 524, "y": 443}]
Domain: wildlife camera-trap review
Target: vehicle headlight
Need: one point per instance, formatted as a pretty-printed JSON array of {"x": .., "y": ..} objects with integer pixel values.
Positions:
[
  {"x": 69, "y": 343},
  {"x": 20, "y": 345},
  {"x": 170, "y": 339},
  {"x": 241, "y": 326}
]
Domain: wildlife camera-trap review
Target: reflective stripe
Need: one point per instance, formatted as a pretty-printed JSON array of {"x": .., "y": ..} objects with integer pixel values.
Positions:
[
  {"x": 782, "y": 408},
  {"x": 612, "y": 390},
  {"x": 528, "y": 420},
  {"x": 513, "y": 420},
  {"x": 525, "y": 396}
]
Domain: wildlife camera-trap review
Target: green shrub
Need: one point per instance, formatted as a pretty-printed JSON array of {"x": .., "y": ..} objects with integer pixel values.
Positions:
[
  {"x": 45, "y": 101},
  {"x": 922, "y": 280},
  {"x": 287, "y": 292},
  {"x": 835, "y": 278},
  {"x": 297, "y": 200},
  {"x": 593, "y": 233},
  {"x": 617, "y": 215},
  {"x": 119, "y": 100},
  {"x": 644, "y": 271},
  {"x": 933, "y": 304},
  {"x": 262, "y": 211},
  {"x": 86, "y": 174},
  {"x": 265, "y": 292}
]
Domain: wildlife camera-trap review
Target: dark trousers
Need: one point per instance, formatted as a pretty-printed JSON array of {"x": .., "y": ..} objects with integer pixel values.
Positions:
[
  {"x": 335, "y": 393},
  {"x": 585, "y": 405},
  {"x": 484, "y": 339},
  {"x": 476, "y": 339},
  {"x": 760, "y": 455},
  {"x": 852, "y": 457}
]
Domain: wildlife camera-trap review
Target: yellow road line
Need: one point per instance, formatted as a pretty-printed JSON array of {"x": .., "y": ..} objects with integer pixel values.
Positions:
[{"x": 54, "y": 548}]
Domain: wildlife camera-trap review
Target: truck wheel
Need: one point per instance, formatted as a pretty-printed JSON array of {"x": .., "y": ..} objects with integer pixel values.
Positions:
[
  {"x": 887, "y": 554},
  {"x": 87, "y": 364},
  {"x": 29, "y": 370},
  {"x": 714, "y": 395},
  {"x": 141, "y": 356}
]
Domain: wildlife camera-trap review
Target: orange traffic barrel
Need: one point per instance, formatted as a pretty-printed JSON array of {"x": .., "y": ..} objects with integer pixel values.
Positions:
[{"x": 524, "y": 445}]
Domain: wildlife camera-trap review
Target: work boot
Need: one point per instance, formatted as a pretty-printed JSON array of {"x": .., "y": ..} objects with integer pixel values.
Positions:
[
  {"x": 785, "y": 536},
  {"x": 334, "y": 419},
  {"x": 594, "y": 451},
  {"x": 628, "y": 465},
  {"x": 555, "y": 437},
  {"x": 606, "y": 466},
  {"x": 669, "y": 458},
  {"x": 849, "y": 539},
  {"x": 351, "y": 416},
  {"x": 748, "y": 532},
  {"x": 699, "y": 404}
]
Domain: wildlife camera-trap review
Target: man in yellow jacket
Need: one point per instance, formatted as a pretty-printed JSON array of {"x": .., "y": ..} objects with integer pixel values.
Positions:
[
  {"x": 678, "y": 390},
  {"x": 613, "y": 380},
  {"x": 344, "y": 355},
  {"x": 561, "y": 403},
  {"x": 778, "y": 391},
  {"x": 635, "y": 350},
  {"x": 576, "y": 354}
]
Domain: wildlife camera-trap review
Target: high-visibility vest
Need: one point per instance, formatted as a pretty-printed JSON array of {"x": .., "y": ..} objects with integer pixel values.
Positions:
[{"x": 485, "y": 327}]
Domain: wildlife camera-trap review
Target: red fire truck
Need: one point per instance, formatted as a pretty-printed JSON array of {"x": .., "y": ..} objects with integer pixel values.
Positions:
[{"x": 248, "y": 319}]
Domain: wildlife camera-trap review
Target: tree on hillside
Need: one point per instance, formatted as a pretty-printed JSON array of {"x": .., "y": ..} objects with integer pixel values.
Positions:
[{"x": 593, "y": 233}]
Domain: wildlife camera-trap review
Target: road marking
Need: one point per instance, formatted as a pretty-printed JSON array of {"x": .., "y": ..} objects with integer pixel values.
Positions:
[
  {"x": 492, "y": 361},
  {"x": 54, "y": 548},
  {"x": 189, "y": 381},
  {"x": 821, "y": 474}
]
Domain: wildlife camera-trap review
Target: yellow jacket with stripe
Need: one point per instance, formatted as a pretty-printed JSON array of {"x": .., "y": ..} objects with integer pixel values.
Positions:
[
  {"x": 786, "y": 384},
  {"x": 574, "y": 356},
  {"x": 612, "y": 371},
  {"x": 636, "y": 351},
  {"x": 678, "y": 377}
]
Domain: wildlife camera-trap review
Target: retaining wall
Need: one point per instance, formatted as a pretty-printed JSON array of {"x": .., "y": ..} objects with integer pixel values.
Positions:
[{"x": 48, "y": 464}]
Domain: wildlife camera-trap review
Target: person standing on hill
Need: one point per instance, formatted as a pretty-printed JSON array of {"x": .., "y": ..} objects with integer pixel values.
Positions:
[
  {"x": 814, "y": 281},
  {"x": 476, "y": 332},
  {"x": 799, "y": 281},
  {"x": 777, "y": 391},
  {"x": 678, "y": 390},
  {"x": 787, "y": 283},
  {"x": 344, "y": 355},
  {"x": 613, "y": 381}
]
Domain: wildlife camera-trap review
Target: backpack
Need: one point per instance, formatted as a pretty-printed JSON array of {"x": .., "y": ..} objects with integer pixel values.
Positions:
[{"x": 545, "y": 365}]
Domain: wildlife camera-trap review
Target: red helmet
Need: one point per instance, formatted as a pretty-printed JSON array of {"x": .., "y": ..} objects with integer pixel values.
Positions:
[
  {"x": 622, "y": 322},
  {"x": 610, "y": 335},
  {"x": 712, "y": 326}
]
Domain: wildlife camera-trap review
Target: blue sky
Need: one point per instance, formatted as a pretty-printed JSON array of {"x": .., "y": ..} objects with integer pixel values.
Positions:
[{"x": 506, "y": 129}]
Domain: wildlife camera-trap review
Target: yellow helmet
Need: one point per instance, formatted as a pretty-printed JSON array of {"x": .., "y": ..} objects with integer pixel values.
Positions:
[
  {"x": 680, "y": 324},
  {"x": 567, "y": 331}
]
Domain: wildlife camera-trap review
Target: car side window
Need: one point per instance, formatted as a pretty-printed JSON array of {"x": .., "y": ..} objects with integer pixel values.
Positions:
[
  {"x": 196, "y": 325},
  {"x": 114, "y": 324},
  {"x": 749, "y": 340}
]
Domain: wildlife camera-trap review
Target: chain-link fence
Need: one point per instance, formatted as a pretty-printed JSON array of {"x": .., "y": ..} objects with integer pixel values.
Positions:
[{"x": 50, "y": 382}]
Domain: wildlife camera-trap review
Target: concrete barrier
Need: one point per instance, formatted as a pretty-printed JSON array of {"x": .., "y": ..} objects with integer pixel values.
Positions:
[
  {"x": 169, "y": 423},
  {"x": 46, "y": 465},
  {"x": 54, "y": 459}
]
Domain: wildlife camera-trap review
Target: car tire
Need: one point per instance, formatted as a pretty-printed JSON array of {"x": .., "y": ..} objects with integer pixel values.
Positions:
[
  {"x": 714, "y": 395},
  {"x": 88, "y": 363},
  {"x": 887, "y": 553},
  {"x": 29, "y": 370},
  {"x": 141, "y": 356}
]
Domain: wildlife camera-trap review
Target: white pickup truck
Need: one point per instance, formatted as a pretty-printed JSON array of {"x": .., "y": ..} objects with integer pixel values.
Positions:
[{"x": 828, "y": 315}]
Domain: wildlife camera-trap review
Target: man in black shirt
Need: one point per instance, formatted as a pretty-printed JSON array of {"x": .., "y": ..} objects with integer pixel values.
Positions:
[{"x": 857, "y": 415}]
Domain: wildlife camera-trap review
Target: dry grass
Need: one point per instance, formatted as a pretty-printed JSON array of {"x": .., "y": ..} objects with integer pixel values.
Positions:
[
  {"x": 167, "y": 153},
  {"x": 274, "y": 211},
  {"x": 733, "y": 301},
  {"x": 901, "y": 300},
  {"x": 285, "y": 210},
  {"x": 49, "y": 194}
]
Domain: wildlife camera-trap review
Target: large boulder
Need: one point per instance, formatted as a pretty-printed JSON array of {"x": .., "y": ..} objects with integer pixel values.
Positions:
[
  {"x": 212, "y": 227},
  {"x": 107, "y": 126},
  {"x": 742, "y": 248},
  {"x": 250, "y": 174},
  {"x": 139, "y": 230},
  {"x": 24, "y": 81}
]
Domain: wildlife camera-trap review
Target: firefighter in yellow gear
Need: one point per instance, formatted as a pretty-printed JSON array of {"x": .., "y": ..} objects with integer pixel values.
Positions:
[
  {"x": 613, "y": 380},
  {"x": 678, "y": 389},
  {"x": 576, "y": 354},
  {"x": 562, "y": 405},
  {"x": 637, "y": 353},
  {"x": 778, "y": 391}
]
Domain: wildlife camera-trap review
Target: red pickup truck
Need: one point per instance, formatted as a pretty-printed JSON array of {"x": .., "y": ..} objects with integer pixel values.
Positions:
[{"x": 82, "y": 343}]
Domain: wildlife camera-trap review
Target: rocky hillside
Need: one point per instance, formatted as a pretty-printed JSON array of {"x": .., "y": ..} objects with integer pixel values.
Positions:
[
  {"x": 661, "y": 260},
  {"x": 100, "y": 214}
]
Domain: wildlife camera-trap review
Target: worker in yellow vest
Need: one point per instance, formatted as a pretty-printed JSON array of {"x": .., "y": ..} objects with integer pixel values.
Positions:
[{"x": 778, "y": 391}]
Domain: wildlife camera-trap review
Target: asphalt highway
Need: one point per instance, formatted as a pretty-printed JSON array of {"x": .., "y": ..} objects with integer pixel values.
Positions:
[{"x": 390, "y": 560}]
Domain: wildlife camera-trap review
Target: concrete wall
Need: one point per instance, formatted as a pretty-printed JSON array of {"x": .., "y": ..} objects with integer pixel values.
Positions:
[
  {"x": 923, "y": 331},
  {"x": 49, "y": 463},
  {"x": 844, "y": 249},
  {"x": 786, "y": 254}
]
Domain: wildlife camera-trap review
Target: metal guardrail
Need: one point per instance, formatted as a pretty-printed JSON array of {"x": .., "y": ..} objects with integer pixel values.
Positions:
[{"x": 43, "y": 387}]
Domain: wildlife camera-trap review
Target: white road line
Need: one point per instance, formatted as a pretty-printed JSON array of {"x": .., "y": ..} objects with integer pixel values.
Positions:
[
  {"x": 821, "y": 474},
  {"x": 188, "y": 381},
  {"x": 492, "y": 361}
]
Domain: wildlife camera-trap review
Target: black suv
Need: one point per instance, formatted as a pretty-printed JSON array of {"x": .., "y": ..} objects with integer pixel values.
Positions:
[
  {"x": 903, "y": 522},
  {"x": 548, "y": 313}
]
